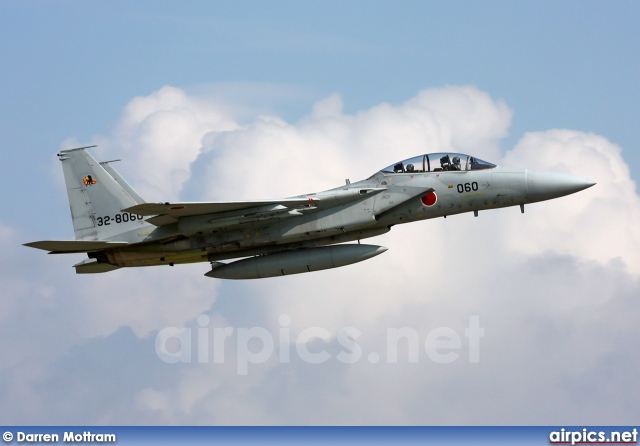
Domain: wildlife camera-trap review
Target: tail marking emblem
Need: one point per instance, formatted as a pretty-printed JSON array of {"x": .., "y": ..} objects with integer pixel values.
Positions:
[{"x": 88, "y": 180}]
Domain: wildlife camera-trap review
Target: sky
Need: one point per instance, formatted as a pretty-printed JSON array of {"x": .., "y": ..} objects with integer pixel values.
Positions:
[{"x": 209, "y": 101}]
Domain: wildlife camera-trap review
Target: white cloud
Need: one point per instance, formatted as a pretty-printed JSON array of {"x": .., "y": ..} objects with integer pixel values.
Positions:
[
  {"x": 160, "y": 136},
  {"x": 555, "y": 288},
  {"x": 277, "y": 158},
  {"x": 599, "y": 224}
]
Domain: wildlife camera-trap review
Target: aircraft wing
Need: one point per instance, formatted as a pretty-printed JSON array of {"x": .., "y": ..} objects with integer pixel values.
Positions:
[
  {"x": 167, "y": 213},
  {"x": 71, "y": 246},
  {"x": 178, "y": 210}
]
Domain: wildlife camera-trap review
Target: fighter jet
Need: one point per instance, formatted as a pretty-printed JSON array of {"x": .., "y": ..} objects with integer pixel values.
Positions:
[{"x": 116, "y": 228}]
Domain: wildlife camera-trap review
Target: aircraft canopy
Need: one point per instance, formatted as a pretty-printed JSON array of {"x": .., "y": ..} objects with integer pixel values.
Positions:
[{"x": 437, "y": 162}]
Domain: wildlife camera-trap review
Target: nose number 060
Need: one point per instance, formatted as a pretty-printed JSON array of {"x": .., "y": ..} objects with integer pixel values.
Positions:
[{"x": 467, "y": 187}]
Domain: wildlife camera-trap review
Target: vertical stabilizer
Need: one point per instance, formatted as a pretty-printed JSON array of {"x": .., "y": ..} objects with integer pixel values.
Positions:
[
  {"x": 97, "y": 197},
  {"x": 121, "y": 181}
]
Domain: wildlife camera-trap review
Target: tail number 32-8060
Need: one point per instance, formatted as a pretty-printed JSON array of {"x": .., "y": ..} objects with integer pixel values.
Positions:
[{"x": 118, "y": 218}]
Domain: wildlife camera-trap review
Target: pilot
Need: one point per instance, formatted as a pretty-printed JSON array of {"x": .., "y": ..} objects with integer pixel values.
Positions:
[
  {"x": 444, "y": 163},
  {"x": 398, "y": 168},
  {"x": 456, "y": 163}
]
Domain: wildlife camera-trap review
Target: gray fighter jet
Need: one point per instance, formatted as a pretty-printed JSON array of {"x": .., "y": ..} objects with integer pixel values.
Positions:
[{"x": 117, "y": 228}]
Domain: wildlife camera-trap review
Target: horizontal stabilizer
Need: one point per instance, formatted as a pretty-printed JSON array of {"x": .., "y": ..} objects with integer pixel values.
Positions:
[
  {"x": 71, "y": 246},
  {"x": 92, "y": 266}
]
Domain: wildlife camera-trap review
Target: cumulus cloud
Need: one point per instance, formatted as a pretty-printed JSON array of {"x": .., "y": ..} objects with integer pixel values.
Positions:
[
  {"x": 160, "y": 136},
  {"x": 278, "y": 158},
  {"x": 598, "y": 225},
  {"x": 554, "y": 289}
]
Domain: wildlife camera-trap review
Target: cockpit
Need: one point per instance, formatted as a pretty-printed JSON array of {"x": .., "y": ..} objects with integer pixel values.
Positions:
[{"x": 438, "y": 162}]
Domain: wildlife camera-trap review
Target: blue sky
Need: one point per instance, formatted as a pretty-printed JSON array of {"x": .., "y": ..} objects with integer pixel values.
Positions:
[
  {"x": 69, "y": 67},
  {"x": 180, "y": 90}
]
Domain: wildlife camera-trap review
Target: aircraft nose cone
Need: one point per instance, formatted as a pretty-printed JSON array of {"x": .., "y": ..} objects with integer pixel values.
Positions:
[{"x": 547, "y": 185}]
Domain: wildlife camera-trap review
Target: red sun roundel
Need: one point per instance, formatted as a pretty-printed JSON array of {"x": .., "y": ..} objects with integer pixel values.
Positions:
[{"x": 429, "y": 199}]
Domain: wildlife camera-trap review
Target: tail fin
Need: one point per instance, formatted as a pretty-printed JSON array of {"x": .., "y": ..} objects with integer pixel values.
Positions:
[{"x": 97, "y": 195}]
